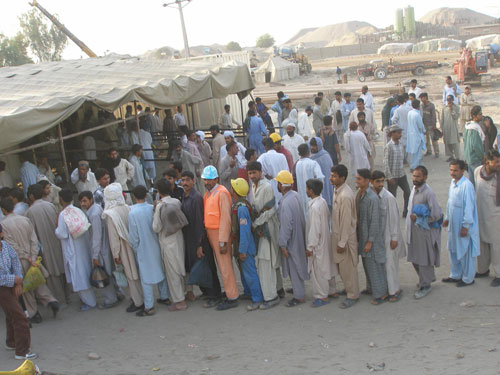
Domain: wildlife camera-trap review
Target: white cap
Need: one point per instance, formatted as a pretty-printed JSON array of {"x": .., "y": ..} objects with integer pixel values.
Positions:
[
  {"x": 200, "y": 134},
  {"x": 287, "y": 122},
  {"x": 228, "y": 133}
]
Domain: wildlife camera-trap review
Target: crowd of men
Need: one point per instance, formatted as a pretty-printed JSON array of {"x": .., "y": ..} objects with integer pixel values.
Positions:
[{"x": 280, "y": 208}]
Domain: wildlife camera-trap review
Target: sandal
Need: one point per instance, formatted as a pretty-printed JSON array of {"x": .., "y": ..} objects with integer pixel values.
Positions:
[
  {"x": 396, "y": 296},
  {"x": 378, "y": 301},
  {"x": 293, "y": 302},
  {"x": 348, "y": 302},
  {"x": 318, "y": 302},
  {"x": 164, "y": 301},
  {"x": 145, "y": 312},
  {"x": 334, "y": 295}
]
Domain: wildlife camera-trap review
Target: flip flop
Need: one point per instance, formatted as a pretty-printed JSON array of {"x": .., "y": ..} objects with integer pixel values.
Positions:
[
  {"x": 348, "y": 302},
  {"x": 395, "y": 298},
  {"x": 318, "y": 302},
  {"x": 293, "y": 302},
  {"x": 145, "y": 312},
  {"x": 334, "y": 295},
  {"x": 164, "y": 301},
  {"x": 378, "y": 301}
]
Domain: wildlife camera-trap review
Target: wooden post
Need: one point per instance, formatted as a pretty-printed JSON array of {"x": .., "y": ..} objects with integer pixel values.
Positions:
[
  {"x": 63, "y": 152},
  {"x": 136, "y": 117},
  {"x": 242, "y": 114}
]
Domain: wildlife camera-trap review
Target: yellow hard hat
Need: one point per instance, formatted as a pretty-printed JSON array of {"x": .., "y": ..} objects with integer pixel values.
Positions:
[
  {"x": 240, "y": 186},
  {"x": 275, "y": 137},
  {"x": 284, "y": 177}
]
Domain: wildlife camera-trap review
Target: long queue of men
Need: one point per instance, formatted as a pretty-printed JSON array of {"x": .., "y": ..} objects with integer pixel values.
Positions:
[{"x": 283, "y": 210}]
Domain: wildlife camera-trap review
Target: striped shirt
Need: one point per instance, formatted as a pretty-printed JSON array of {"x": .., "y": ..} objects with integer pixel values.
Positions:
[{"x": 393, "y": 160}]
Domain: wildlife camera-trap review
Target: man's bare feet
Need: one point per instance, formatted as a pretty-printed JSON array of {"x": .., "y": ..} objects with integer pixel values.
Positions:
[{"x": 179, "y": 306}]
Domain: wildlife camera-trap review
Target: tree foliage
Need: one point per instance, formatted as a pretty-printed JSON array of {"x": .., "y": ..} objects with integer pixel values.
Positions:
[
  {"x": 14, "y": 50},
  {"x": 46, "y": 43},
  {"x": 265, "y": 41},
  {"x": 233, "y": 46}
]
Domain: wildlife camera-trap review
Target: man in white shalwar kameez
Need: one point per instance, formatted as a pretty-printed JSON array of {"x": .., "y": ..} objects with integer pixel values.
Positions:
[
  {"x": 272, "y": 163},
  {"x": 146, "y": 141},
  {"x": 305, "y": 169},
  {"x": 400, "y": 118},
  {"x": 77, "y": 263},
  {"x": 318, "y": 244},
  {"x": 292, "y": 140},
  {"x": 120, "y": 170},
  {"x": 267, "y": 227},
  {"x": 99, "y": 250},
  {"x": 168, "y": 222},
  {"x": 357, "y": 147},
  {"x": 116, "y": 214},
  {"x": 393, "y": 238}
]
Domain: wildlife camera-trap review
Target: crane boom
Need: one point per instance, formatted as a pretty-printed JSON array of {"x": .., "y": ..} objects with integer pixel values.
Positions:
[{"x": 61, "y": 27}]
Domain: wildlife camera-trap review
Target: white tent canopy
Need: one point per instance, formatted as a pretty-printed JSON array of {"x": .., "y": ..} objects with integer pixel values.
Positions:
[
  {"x": 440, "y": 44},
  {"x": 395, "y": 48},
  {"x": 279, "y": 69},
  {"x": 482, "y": 41},
  {"x": 36, "y": 97}
]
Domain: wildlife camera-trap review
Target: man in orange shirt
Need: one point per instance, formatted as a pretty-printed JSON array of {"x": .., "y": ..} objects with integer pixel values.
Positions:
[{"x": 217, "y": 214}]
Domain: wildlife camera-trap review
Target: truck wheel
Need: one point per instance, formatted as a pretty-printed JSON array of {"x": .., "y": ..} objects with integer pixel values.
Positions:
[
  {"x": 361, "y": 78},
  {"x": 380, "y": 73},
  {"x": 419, "y": 71}
]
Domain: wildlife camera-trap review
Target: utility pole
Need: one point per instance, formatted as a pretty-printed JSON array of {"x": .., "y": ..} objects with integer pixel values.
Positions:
[{"x": 184, "y": 33}]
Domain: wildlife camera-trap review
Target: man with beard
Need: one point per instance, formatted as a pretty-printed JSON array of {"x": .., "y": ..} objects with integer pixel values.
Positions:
[
  {"x": 423, "y": 231},
  {"x": 120, "y": 170},
  {"x": 195, "y": 238}
]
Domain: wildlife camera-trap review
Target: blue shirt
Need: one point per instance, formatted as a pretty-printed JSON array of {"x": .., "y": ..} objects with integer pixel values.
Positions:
[
  {"x": 10, "y": 266},
  {"x": 28, "y": 174}
]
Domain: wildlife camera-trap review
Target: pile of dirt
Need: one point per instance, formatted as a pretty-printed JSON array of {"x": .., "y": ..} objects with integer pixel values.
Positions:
[
  {"x": 333, "y": 35},
  {"x": 456, "y": 17}
]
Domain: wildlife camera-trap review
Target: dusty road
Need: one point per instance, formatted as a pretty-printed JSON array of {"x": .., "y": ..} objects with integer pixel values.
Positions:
[{"x": 435, "y": 335}]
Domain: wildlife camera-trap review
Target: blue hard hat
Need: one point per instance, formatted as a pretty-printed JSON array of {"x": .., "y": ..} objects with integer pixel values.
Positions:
[{"x": 209, "y": 173}]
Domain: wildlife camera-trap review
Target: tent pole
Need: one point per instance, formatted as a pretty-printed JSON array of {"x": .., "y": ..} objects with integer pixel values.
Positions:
[
  {"x": 192, "y": 116},
  {"x": 242, "y": 114},
  {"x": 136, "y": 117},
  {"x": 63, "y": 152}
]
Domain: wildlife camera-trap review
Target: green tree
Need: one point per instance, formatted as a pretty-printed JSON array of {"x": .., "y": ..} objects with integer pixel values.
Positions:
[
  {"x": 265, "y": 41},
  {"x": 47, "y": 44},
  {"x": 233, "y": 46},
  {"x": 14, "y": 50}
]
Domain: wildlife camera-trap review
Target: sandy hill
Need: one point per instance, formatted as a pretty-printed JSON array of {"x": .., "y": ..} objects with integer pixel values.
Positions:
[
  {"x": 333, "y": 35},
  {"x": 160, "y": 53},
  {"x": 299, "y": 35},
  {"x": 456, "y": 17}
]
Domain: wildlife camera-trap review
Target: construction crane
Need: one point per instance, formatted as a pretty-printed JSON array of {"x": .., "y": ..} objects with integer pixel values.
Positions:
[{"x": 61, "y": 27}]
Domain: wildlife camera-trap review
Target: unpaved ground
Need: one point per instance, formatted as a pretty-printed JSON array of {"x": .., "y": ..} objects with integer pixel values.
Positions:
[{"x": 431, "y": 336}]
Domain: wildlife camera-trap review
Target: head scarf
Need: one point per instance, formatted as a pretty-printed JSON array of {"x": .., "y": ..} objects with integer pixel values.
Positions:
[
  {"x": 201, "y": 134},
  {"x": 321, "y": 150},
  {"x": 324, "y": 159},
  {"x": 113, "y": 197},
  {"x": 228, "y": 133}
]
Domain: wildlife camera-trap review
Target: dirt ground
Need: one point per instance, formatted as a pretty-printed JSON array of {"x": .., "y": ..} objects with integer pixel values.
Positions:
[{"x": 436, "y": 335}]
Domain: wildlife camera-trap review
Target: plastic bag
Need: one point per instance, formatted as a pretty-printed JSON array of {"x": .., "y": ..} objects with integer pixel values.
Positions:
[
  {"x": 119, "y": 274},
  {"x": 201, "y": 274},
  {"x": 99, "y": 278},
  {"x": 76, "y": 220},
  {"x": 34, "y": 277}
]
